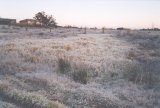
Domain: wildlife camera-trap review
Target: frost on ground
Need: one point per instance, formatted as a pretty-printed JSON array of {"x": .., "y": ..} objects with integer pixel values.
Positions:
[{"x": 66, "y": 68}]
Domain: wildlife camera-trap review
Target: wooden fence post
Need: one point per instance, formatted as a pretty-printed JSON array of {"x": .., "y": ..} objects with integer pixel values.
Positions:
[
  {"x": 85, "y": 30},
  {"x": 103, "y": 30},
  {"x": 27, "y": 26}
]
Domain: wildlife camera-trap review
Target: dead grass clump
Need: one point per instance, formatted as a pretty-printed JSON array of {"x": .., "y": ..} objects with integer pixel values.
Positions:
[
  {"x": 34, "y": 59},
  {"x": 34, "y": 49},
  {"x": 134, "y": 54},
  {"x": 78, "y": 72},
  {"x": 67, "y": 48},
  {"x": 3, "y": 86},
  {"x": 84, "y": 44},
  {"x": 80, "y": 75},
  {"x": 41, "y": 34},
  {"x": 82, "y": 72},
  {"x": 31, "y": 58},
  {"x": 57, "y": 47},
  {"x": 64, "y": 65},
  {"x": 10, "y": 47},
  {"x": 144, "y": 73}
]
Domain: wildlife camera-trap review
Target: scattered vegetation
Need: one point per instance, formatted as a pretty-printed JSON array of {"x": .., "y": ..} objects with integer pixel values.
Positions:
[
  {"x": 25, "y": 99},
  {"x": 144, "y": 73},
  {"x": 107, "y": 71},
  {"x": 64, "y": 66},
  {"x": 67, "y": 48},
  {"x": 78, "y": 72}
]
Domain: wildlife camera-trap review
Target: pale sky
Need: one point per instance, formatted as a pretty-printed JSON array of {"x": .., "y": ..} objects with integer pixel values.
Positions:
[{"x": 99, "y": 13}]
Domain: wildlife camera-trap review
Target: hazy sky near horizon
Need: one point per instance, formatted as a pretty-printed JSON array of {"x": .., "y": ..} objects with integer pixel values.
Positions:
[{"x": 108, "y": 13}]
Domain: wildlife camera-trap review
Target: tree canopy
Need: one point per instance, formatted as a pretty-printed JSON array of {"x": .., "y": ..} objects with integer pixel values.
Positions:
[{"x": 45, "y": 20}]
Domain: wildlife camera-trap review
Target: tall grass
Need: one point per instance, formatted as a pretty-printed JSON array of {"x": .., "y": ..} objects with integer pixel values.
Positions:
[
  {"x": 79, "y": 73},
  {"x": 144, "y": 73},
  {"x": 64, "y": 65}
]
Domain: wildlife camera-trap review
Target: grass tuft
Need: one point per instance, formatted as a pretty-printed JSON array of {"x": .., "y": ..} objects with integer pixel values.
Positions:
[
  {"x": 64, "y": 65},
  {"x": 146, "y": 74},
  {"x": 80, "y": 75}
]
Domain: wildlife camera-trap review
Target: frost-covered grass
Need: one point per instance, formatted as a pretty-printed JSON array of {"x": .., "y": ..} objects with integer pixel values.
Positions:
[
  {"x": 7, "y": 105},
  {"x": 115, "y": 69},
  {"x": 25, "y": 99}
]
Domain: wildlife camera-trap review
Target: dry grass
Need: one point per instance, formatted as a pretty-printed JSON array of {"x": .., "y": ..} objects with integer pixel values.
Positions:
[
  {"x": 81, "y": 70},
  {"x": 146, "y": 73},
  {"x": 80, "y": 76},
  {"x": 64, "y": 66},
  {"x": 67, "y": 48},
  {"x": 79, "y": 73},
  {"x": 26, "y": 100}
]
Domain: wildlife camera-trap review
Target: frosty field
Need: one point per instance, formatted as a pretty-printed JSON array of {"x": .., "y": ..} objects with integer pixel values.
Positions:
[{"x": 66, "y": 68}]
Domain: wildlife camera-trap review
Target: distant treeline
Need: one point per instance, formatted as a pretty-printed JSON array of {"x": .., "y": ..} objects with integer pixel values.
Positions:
[{"x": 153, "y": 29}]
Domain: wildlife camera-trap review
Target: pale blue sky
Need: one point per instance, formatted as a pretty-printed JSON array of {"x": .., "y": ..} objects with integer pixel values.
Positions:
[{"x": 108, "y": 13}]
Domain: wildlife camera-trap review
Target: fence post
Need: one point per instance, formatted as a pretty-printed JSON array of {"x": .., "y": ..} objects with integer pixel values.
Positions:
[
  {"x": 27, "y": 26},
  {"x": 103, "y": 30},
  {"x": 85, "y": 30}
]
